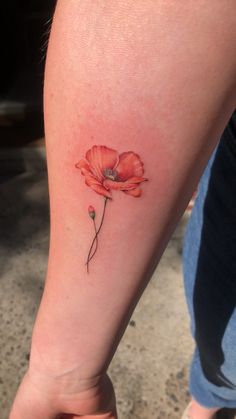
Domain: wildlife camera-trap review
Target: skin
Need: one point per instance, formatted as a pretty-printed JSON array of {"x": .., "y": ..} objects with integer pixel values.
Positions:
[{"x": 157, "y": 79}]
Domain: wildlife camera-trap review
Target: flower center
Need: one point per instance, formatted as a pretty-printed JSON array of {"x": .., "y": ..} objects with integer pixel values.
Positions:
[{"x": 110, "y": 174}]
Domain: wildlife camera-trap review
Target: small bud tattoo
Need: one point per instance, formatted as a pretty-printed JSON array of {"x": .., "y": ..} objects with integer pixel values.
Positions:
[{"x": 91, "y": 212}]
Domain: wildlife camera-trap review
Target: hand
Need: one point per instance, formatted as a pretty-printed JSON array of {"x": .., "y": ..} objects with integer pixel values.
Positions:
[{"x": 49, "y": 398}]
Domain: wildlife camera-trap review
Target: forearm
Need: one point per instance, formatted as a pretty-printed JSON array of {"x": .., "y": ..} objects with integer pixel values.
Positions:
[{"x": 150, "y": 79}]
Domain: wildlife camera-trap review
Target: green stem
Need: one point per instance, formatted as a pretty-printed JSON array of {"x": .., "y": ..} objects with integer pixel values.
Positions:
[{"x": 95, "y": 239}]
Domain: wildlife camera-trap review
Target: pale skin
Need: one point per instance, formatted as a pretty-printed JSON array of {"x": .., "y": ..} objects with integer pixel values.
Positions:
[{"x": 150, "y": 76}]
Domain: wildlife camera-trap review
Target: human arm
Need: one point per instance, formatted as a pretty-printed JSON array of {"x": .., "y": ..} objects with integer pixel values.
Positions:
[{"x": 159, "y": 81}]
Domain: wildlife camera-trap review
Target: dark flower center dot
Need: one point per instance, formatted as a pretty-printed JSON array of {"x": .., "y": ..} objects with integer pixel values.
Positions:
[{"x": 110, "y": 174}]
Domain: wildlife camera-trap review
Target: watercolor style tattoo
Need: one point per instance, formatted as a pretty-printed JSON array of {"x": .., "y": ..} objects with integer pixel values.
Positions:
[{"x": 105, "y": 170}]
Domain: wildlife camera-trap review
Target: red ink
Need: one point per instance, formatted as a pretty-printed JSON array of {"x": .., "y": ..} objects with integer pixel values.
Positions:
[
  {"x": 106, "y": 170},
  {"x": 91, "y": 212}
]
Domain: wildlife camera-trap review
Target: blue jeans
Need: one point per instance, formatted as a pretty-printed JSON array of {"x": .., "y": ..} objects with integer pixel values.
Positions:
[{"x": 210, "y": 277}]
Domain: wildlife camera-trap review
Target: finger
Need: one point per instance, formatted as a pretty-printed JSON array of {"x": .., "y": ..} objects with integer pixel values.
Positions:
[
  {"x": 109, "y": 415},
  {"x": 103, "y": 416}
]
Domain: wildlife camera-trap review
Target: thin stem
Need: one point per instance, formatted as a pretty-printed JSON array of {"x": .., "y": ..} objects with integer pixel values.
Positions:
[{"x": 95, "y": 239}]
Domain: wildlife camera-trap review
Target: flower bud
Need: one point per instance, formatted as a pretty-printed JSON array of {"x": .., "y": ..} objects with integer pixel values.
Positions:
[{"x": 91, "y": 212}]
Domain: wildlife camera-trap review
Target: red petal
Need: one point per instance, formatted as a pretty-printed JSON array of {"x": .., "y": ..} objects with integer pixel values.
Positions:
[
  {"x": 93, "y": 183},
  {"x": 137, "y": 192},
  {"x": 100, "y": 158},
  {"x": 123, "y": 186},
  {"x": 129, "y": 165},
  {"x": 91, "y": 208},
  {"x": 83, "y": 166},
  {"x": 101, "y": 191}
]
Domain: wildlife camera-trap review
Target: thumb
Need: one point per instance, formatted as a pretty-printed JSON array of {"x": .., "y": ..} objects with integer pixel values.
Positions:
[{"x": 28, "y": 404}]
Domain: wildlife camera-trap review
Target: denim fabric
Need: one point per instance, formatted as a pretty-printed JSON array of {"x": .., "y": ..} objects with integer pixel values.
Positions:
[{"x": 210, "y": 277}]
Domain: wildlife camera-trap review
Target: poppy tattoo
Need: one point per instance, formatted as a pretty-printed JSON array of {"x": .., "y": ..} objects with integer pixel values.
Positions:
[{"x": 106, "y": 170}]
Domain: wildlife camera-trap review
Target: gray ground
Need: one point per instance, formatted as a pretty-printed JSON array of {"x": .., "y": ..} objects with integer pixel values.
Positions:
[{"x": 150, "y": 368}]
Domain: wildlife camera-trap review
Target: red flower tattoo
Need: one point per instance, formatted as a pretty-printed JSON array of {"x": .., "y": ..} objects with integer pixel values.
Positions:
[{"x": 106, "y": 170}]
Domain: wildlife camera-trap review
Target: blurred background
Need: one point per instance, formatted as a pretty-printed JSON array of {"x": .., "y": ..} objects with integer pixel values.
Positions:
[{"x": 24, "y": 27}]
